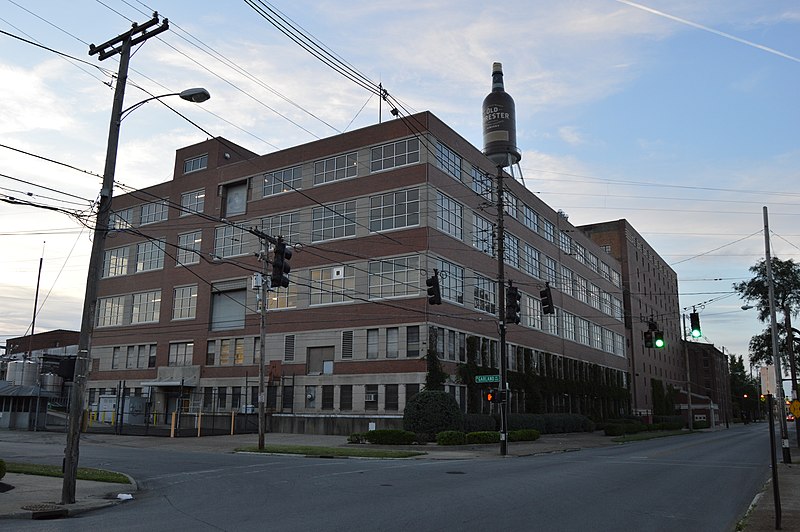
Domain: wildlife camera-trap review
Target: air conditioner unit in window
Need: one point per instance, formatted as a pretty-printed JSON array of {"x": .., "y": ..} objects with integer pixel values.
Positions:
[
  {"x": 337, "y": 272},
  {"x": 370, "y": 397}
]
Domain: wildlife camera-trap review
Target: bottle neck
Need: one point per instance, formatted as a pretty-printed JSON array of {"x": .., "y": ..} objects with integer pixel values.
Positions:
[{"x": 497, "y": 82}]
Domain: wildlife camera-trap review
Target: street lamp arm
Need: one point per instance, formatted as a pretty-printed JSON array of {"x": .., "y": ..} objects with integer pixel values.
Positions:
[{"x": 195, "y": 95}]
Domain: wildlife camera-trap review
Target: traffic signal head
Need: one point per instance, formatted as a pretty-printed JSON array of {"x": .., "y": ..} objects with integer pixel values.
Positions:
[
  {"x": 694, "y": 319},
  {"x": 648, "y": 339},
  {"x": 434, "y": 292},
  {"x": 513, "y": 308},
  {"x": 547, "y": 300},
  {"x": 658, "y": 339},
  {"x": 280, "y": 265},
  {"x": 492, "y": 396}
]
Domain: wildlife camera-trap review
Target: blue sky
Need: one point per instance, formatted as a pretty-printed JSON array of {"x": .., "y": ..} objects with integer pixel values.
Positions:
[{"x": 680, "y": 116}]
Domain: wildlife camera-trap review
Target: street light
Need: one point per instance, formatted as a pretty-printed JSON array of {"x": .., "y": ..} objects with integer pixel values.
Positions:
[{"x": 76, "y": 412}]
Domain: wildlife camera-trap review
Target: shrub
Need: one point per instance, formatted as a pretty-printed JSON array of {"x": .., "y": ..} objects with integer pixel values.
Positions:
[
  {"x": 480, "y": 422},
  {"x": 2, "y": 469},
  {"x": 431, "y": 412},
  {"x": 527, "y": 421},
  {"x": 357, "y": 437},
  {"x": 524, "y": 435},
  {"x": 558, "y": 423},
  {"x": 701, "y": 425},
  {"x": 390, "y": 437},
  {"x": 451, "y": 437},
  {"x": 484, "y": 436}
]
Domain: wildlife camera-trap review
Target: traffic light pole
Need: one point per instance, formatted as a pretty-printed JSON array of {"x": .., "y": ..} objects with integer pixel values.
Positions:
[
  {"x": 262, "y": 350},
  {"x": 501, "y": 312}
]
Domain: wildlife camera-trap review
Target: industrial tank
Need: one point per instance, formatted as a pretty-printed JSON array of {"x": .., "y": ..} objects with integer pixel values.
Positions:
[
  {"x": 22, "y": 372},
  {"x": 52, "y": 383}
]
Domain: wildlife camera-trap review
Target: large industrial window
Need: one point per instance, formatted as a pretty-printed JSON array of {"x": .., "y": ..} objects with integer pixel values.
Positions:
[
  {"x": 188, "y": 251},
  {"x": 180, "y": 353},
  {"x": 448, "y": 160},
  {"x": 394, "y": 277},
  {"x": 110, "y": 311},
  {"x": 394, "y": 210},
  {"x": 192, "y": 202},
  {"x": 483, "y": 235},
  {"x": 511, "y": 250},
  {"x": 121, "y": 219},
  {"x": 530, "y": 218},
  {"x": 451, "y": 281},
  {"x": 281, "y": 181},
  {"x": 449, "y": 216},
  {"x": 482, "y": 184},
  {"x": 153, "y": 212},
  {"x": 195, "y": 163},
  {"x": 316, "y": 359},
  {"x": 333, "y": 221},
  {"x": 184, "y": 304},
  {"x": 149, "y": 255},
  {"x": 285, "y": 225},
  {"x": 229, "y": 241},
  {"x": 485, "y": 296},
  {"x": 115, "y": 262},
  {"x": 335, "y": 168},
  {"x": 146, "y": 307},
  {"x": 334, "y": 284},
  {"x": 394, "y": 154}
]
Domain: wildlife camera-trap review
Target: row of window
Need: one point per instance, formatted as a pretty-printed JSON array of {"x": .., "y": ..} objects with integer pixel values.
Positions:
[{"x": 145, "y": 307}]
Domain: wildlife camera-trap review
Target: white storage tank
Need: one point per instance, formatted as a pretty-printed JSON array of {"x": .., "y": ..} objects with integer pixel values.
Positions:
[
  {"x": 52, "y": 383},
  {"x": 22, "y": 372}
]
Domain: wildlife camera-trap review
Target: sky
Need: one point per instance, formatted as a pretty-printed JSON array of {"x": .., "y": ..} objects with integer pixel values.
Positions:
[{"x": 680, "y": 116}]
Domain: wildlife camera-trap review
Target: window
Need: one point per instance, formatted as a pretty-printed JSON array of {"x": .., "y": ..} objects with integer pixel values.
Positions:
[
  {"x": 549, "y": 271},
  {"x": 229, "y": 241},
  {"x": 394, "y": 277},
  {"x": 335, "y": 168},
  {"x": 333, "y": 221},
  {"x": 149, "y": 255},
  {"x": 211, "y": 353},
  {"x": 579, "y": 252},
  {"x": 448, "y": 160},
  {"x": 482, "y": 184},
  {"x": 550, "y": 322},
  {"x": 189, "y": 248},
  {"x": 594, "y": 295},
  {"x": 451, "y": 281},
  {"x": 532, "y": 316},
  {"x": 282, "y": 181},
  {"x": 392, "y": 342},
  {"x": 452, "y": 346},
  {"x": 581, "y": 289},
  {"x": 582, "y": 327},
  {"x": 222, "y": 397},
  {"x": 568, "y": 325},
  {"x": 483, "y": 235},
  {"x": 332, "y": 285},
  {"x": 510, "y": 203},
  {"x": 371, "y": 397},
  {"x": 394, "y": 154},
  {"x": 286, "y": 298},
  {"x": 511, "y": 250},
  {"x": 548, "y": 230},
  {"x": 115, "y": 262},
  {"x": 319, "y": 360},
  {"x": 146, "y": 307},
  {"x": 392, "y": 401},
  {"x": 288, "y": 348},
  {"x": 195, "y": 163},
  {"x": 153, "y": 212},
  {"x": 530, "y": 218},
  {"x": 192, "y": 202},
  {"x": 121, "y": 219},
  {"x": 235, "y": 196},
  {"x": 327, "y": 397},
  {"x": 110, "y": 311},
  {"x": 449, "y": 216},
  {"x": 596, "y": 335},
  {"x": 412, "y": 341},
  {"x": 285, "y": 225},
  {"x": 347, "y": 344},
  {"x": 531, "y": 261},
  {"x": 346, "y": 397},
  {"x": 184, "y": 302},
  {"x": 485, "y": 296},
  {"x": 372, "y": 343},
  {"x": 116, "y": 357},
  {"x": 236, "y": 396},
  {"x": 565, "y": 242},
  {"x": 180, "y": 353},
  {"x": 394, "y": 210},
  {"x": 228, "y": 305}
]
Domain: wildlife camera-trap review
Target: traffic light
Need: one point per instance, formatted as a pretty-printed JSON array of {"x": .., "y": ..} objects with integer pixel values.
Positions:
[
  {"x": 280, "y": 265},
  {"x": 513, "y": 309},
  {"x": 492, "y": 396},
  {"x": 648, "y": 339},
  {"x": 694, "y": 319},
  {"x": 547, "y": 300},
  {"x": 658, "y": 339},
  {"x": 434, "y": 293}
]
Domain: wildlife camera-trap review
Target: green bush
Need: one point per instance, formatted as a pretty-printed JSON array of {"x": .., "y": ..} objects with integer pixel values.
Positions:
[
  {"x": 701, "y": 425},
  {"x": 524, "y": 435},
  {"x": 431, "y": 412},
  {"x": 2, "y": 469},
  {"x": 390, "y": 437},
  {"x": 527, "y": 421},
  {"x": 451, "y": 437},
  {"x": 480, "y": 422},
  {"x": 484, "y": 436},
  {"x": 357, "y": 437}
]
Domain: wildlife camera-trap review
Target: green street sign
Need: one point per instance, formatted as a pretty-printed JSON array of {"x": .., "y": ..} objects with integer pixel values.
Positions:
[{"x": 486, "y": 378}]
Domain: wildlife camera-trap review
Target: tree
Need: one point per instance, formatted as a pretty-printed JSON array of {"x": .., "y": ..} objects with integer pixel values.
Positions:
[
  {"x": 761, "y": 347},
  {"x": 786, "y": 285},
  {"x": 435, "y": 376}
]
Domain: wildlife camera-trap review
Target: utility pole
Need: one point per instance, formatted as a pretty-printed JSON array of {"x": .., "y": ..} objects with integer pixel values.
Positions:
[
  {"x": 118, "y": 45},
  {"x": 262, "y": 351},
  {"x": 689, "y": 416},
  {"x": 776, "y": 359},
  {"x": 501, "y": 313}
]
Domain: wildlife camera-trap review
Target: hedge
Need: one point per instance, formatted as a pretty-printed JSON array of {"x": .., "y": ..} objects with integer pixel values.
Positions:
[
  {"x": 524, "y": 435},
  {"x": 390, "y": 437},
  {"x": 451, "y": 437},
  {"x": 485, "y": 436}
]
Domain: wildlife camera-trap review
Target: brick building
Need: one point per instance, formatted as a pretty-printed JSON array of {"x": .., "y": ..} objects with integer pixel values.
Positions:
[{"x": 369, "y": 214}]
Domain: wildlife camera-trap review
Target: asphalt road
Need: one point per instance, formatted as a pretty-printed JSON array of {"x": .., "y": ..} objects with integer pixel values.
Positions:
[{"x": 698, "y": 482}]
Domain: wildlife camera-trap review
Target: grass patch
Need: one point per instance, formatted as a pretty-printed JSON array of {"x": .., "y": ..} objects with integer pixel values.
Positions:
[
  {"x": 84, "y": 473},
  {"x": 308, "y": 450},
  {"x": 641, "y": 436}
]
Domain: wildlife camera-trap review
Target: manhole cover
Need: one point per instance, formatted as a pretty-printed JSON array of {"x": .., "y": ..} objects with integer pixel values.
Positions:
[{"x": 42, "y": 507}]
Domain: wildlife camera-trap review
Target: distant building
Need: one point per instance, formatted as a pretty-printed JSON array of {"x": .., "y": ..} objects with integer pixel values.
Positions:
[
  {"x": 650, "y": 295},
  {"x": 370, "y": 215},
  {"x": 711, "y": 384}
]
